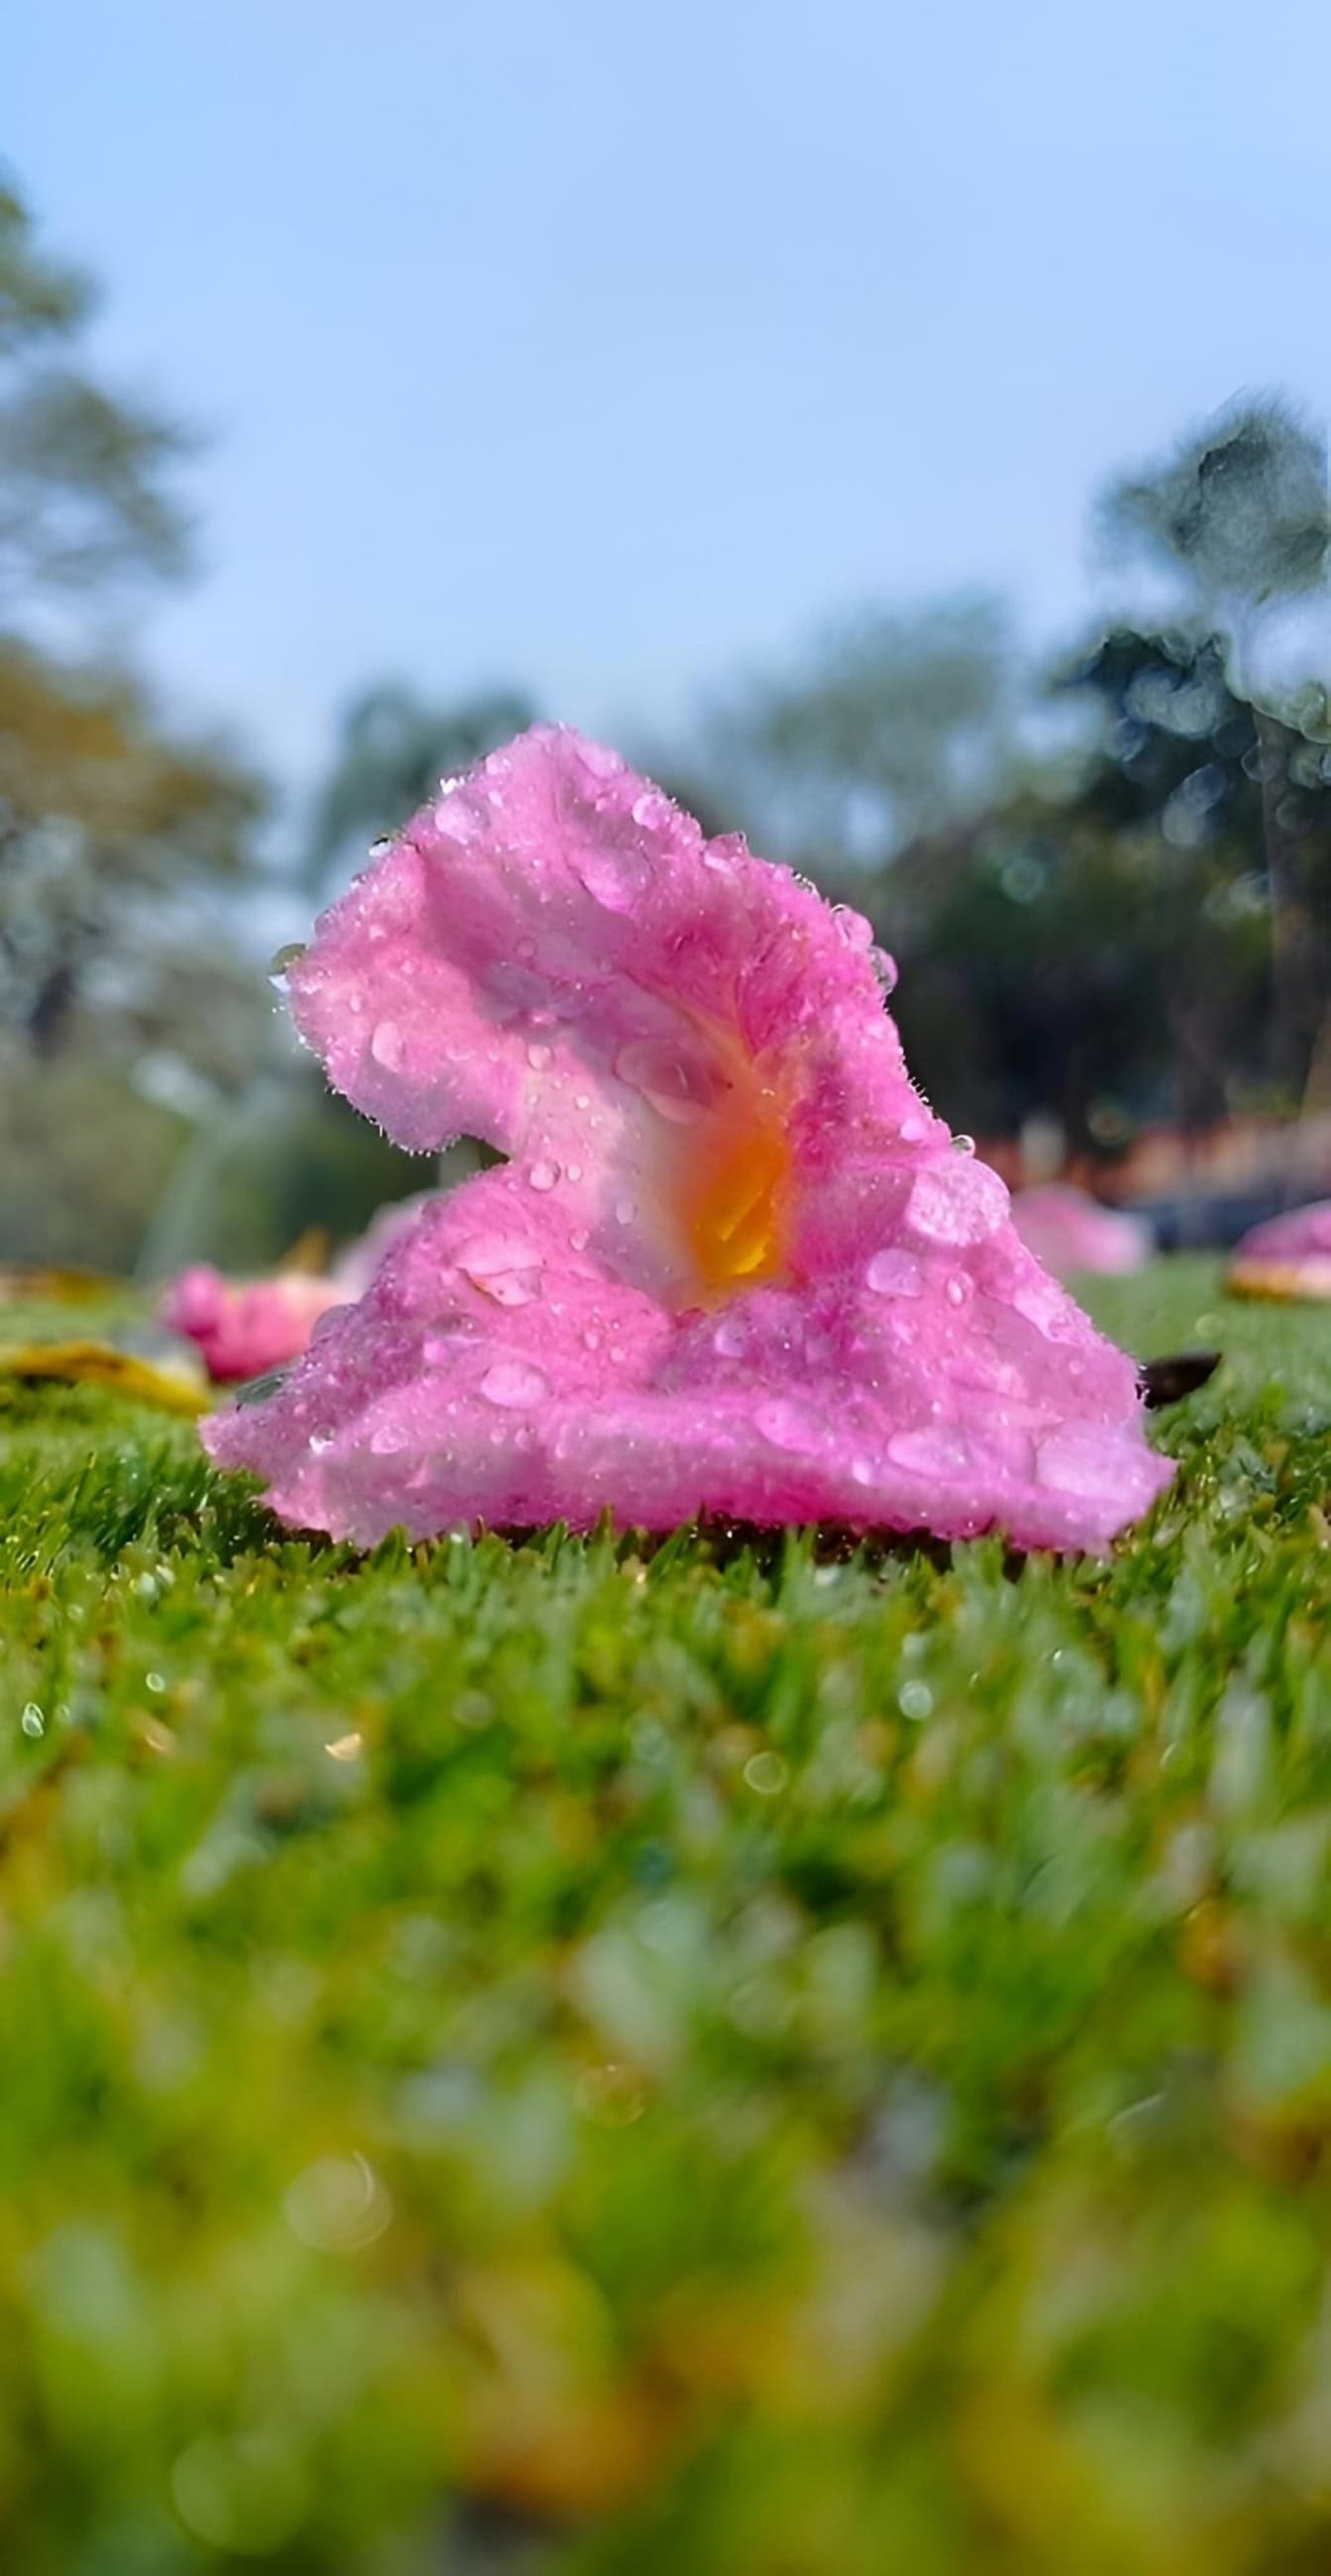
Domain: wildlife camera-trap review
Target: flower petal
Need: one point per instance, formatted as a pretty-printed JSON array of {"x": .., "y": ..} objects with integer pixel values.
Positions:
[
  {"x": 241, "y": 1327},
  {"x": 1289, "y": 1256},
  {"x": 1068, "y": 1230}
]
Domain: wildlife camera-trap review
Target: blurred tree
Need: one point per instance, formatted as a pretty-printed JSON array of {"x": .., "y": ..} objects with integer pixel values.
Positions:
[
  {"x": 1101, "y": 946},
  {"x": 120, "y": 843},
  {"x": 902, "y": 721},
  {"x": 112, "y": 837},
  {"x": 1239, "y": 511},
  {"x": 1239, "y": 514},
  {"x": 393, "y": 748},
  {"x": 83, "y": 500}
]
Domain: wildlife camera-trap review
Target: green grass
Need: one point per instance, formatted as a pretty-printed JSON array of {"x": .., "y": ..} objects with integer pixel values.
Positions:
[{"x": 718, "y": 2061}]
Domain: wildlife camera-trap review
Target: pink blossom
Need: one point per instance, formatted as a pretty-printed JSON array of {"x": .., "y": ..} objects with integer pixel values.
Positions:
[
  {"x": 242, "y": 1326},
  {"x": 732, "y": 1262},
  {"x": 1068, "y": 1230},
  {"x": 1289, "y": 1256}
]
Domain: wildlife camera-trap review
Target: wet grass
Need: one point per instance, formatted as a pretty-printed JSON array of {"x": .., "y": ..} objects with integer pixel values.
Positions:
[{"x": 757, "y": 2059}]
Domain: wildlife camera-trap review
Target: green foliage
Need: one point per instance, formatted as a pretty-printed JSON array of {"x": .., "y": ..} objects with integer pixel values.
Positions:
[
  {"x": 115, "y": 833},
  {"x": 1239, "y": 511},
  {"x": 1102, "y": 945},
  {"x": 84, "y": 496},
  {"x": 754, "y": 2059},
  {"x": 898, "y": 722}
]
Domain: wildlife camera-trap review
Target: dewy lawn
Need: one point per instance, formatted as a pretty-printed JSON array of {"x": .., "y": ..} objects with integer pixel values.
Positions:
[{"x": 751, "y": 2059}]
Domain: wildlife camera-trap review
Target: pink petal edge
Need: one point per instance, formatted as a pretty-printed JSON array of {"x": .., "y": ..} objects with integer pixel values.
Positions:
[
  {"x": 1288, "y": 1256},
  {"x": 1068, "y": 1231}
]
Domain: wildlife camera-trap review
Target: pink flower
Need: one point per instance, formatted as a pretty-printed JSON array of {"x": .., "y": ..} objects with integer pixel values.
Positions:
[
  {"x": 732, "y": 1263},
  {"x": 1068, "y": 1230},
  {"x": 1289, "y": 1256},
  {"x": 243, "y": 1326}
]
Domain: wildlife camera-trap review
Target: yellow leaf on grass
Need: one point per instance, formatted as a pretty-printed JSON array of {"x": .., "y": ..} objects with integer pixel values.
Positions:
[{"x": 89, "y": 1363}]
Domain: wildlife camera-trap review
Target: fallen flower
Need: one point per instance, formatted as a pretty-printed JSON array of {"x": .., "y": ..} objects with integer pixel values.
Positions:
[
  {"x": 1068, "y": 1231},
  {"x": 732, "y": 1263},
  {"x": 241, "y": 1327},
  {"x": 1289, "y": 1256}
]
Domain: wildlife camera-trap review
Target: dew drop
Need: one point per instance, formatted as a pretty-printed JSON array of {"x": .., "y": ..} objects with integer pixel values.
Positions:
[
  {"x": 895, "y": 1274},
  {"x": 538, "y": 1056},
  {"x": 913, "y": 1129},
  {"x": 626, "y": 1210},
  {"x": 33, "y": 1721},
  {"x": 386, "y": 1045},
  {"x": 942, "y": 1453},
  {"x": 513, "y": 1385},
  {"x": 862, "y": 1471},
  {"x": 854, "y": 929},
  {"x": 543, "y": 1176},
  {"x": 652, "y": 1066},
  {"x": 730, "y": 1338},
  {"x": 962, "y": 1144},
  {"x": 783, "y": 1424},
  {"x": 885, "y": 968},
  {"x": 504, "y": 1267},
  {"x": 957, "y": 1291},
  {"x": 578, "y": 1239},
  {"x": 915, "y": 1700}
]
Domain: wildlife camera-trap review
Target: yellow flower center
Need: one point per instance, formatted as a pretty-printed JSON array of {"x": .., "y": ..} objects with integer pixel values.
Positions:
[{"x": 735, "y": 1205}]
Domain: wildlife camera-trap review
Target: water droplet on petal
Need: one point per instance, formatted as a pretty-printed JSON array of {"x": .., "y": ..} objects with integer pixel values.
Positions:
[
  {"x": 626, "y": 1210},
  {"x": 386, "y": 1045},
  {"x": 652, "y": 1066},
  {"x": 885, "y": 968},
  {"x": 957, "y": 1290},
  {"x": 962, "y": 1144},
  {"x": 614, "y": 877},
  {"x": 543, "y": 1176},
  {"x": 538, "y": 1056},
  {"x": 862, "y": 1470},
  {"x": 854, "y": 929},
  {"x": 730, "y": 1338},
  {"x": 943, "y": 1453},
  {"x": 785, "y": 1425},
  {"x": 514, "y": 1385},
  {"x": 914, "y": 1129},
  {"x": 504, "y": 1267},
  {"x": 284, "y": 958},
  {"x": 895, "y": 1274},
  {"x": 957, "y": 1202},
  {"x": 578, "y": 1239}
]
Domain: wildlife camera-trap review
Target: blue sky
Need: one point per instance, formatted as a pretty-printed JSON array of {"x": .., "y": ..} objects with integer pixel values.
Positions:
[{"x": 610, "y": 346}]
